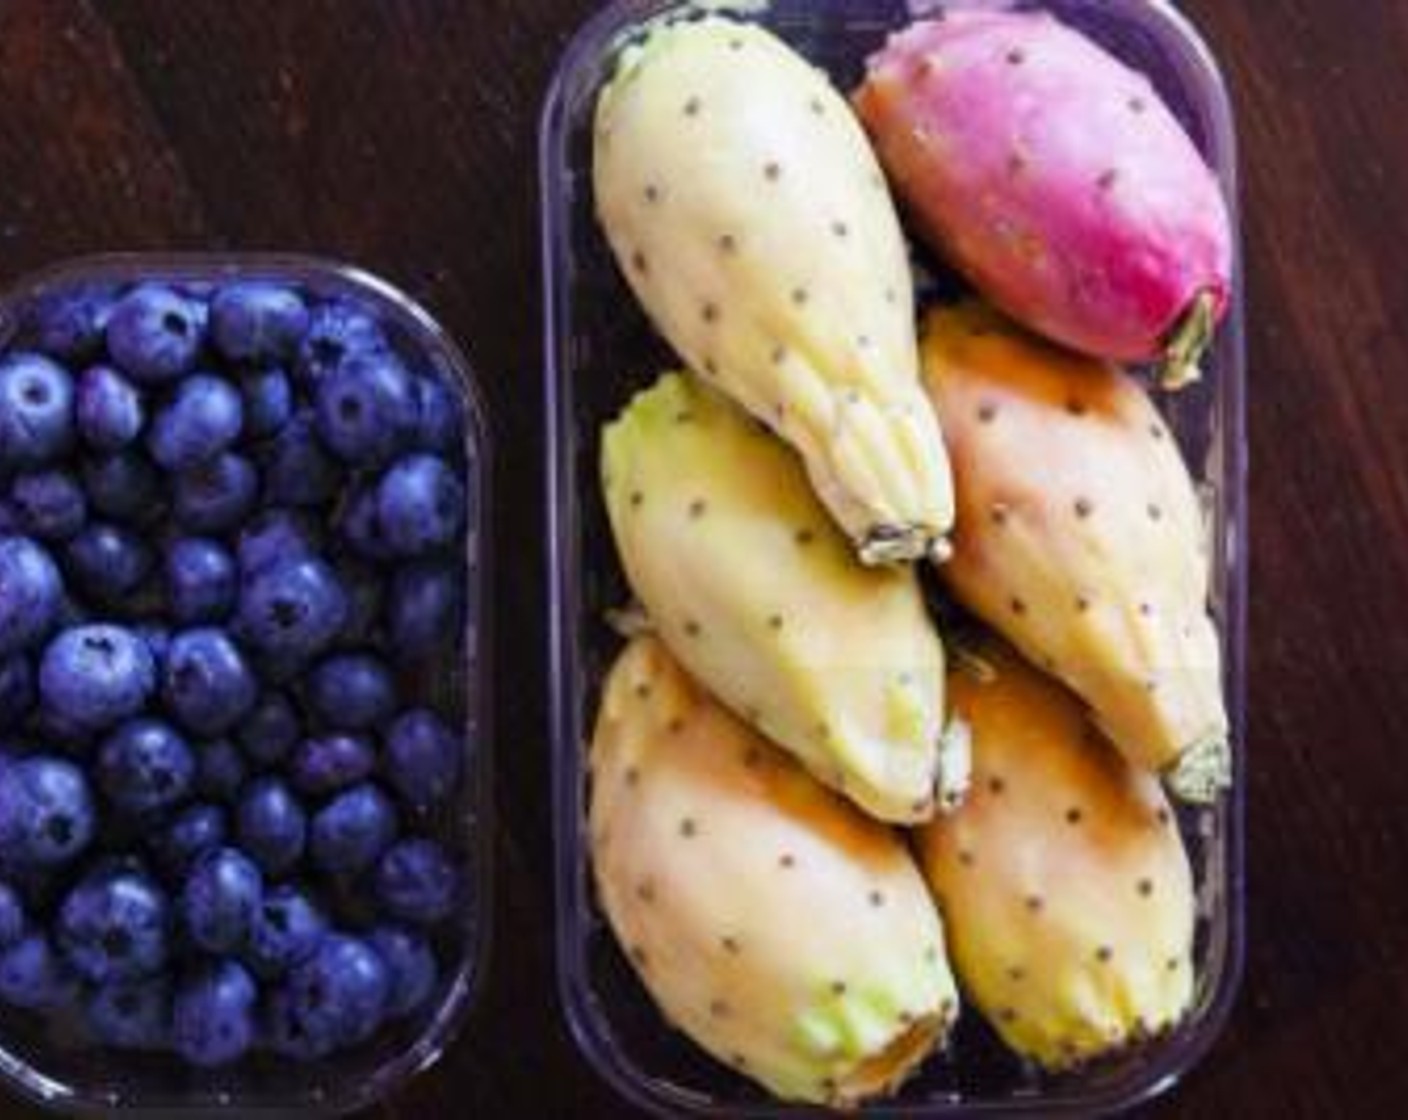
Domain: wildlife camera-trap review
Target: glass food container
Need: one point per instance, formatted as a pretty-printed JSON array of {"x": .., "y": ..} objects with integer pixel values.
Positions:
[
  {"x": 600, "y": 347},
  {"x": 55, "y": 1066}
]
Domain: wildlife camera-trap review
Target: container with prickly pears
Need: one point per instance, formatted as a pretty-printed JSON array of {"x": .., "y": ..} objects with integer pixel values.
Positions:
[
  {"x": 898, "y": 598},
  {"x": 242, "y": 708}
]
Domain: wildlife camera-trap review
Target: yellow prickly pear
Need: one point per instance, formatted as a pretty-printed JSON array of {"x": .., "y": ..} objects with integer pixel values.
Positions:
[
  {"x": 781, "y": 929},
  {"x": 756, "y": 592},
  {"x": 748, "y": 211},
  {"x": 1063, "y": 878},
  {"x": 1081, "y": 538}
]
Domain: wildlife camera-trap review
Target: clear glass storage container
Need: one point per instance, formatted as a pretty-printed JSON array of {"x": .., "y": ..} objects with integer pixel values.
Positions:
[
  {"x": 57, "y": 1067},
  {"x": 600, "y": 348}
]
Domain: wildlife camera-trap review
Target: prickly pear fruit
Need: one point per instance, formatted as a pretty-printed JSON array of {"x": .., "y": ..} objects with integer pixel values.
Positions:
[
  {"x": 1063, "y": 878},
  {"x": 748, "y": 212},
  {"x": 785, "y": 932},
  {"x": 1058, "y": 181},
  {"x": 1081, "y": 538},
  {"x": 750, "y": 585}
]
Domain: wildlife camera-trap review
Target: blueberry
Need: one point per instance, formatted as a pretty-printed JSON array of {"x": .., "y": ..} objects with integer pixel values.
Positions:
[
  {"x": 336, "y": 331},
  {"x": 423, "y": 758},
  {"x": 283, "y": 1033},
  {"x": 36, "y": 411},
  {"x": 365, "y": 592},
  {"x": 332, "y": 763},
  {"x": 270, "y": 730},
  {"x": 203, "y": 419},
  {"x": 223, "y": 893},
  {"x": 271, "y": 826},
  {"x": 292, "y": 610},
  {"x": 197, "y": 829},
  {"x": 421, "y": 505},
  {"x": 97, "y": 675},
  {"x": 12, "y": 916},
  {"x": 351, "y": 691},
  {"x": 255, "y": 322},
  {"x": 439, "y": 417},
  {"x": 61, "y": 731},
  {"x": 220, "y": 770},
  {"x": 352, "y": 830},
  {"x": 108, "y": 409},
  {"x": 416, "y": 882},
  {"x": 425, "y": 610},
  {"x": 201, "y": 580},
  {"x": 16, "y": 689},
  {"x": 298, "y": 471},
  {"x": 367, "y": 409},
  {"x": 131, "y": 1014},
  {"x": 32, "y": 976},
  {"x": 287, "y": 930},
  {"x": 69, "y": 325},
  {"x": 31, "y": 594},
  {"x": 145, "y": 765},
  {"x": 268, "y": 402},
  {"x": 340, "y": 992},
  {"x": 273, "y": 537},
  {"x": 216, "y": 496},
  {"x": 359, "y": 523},
  {"x": 207, "y": 684},
  {"x": 213, "y": 1017},
  {"x": 113, "y": 926},
  {"x": 154, "y": 334},
  {"x": 410, "y": 966},
  {"x": 49, "y": 505},
  {"x": 123, "y": 486},
  {"x": 108, "y": 563},
  {"x": 46, "y": 812}
]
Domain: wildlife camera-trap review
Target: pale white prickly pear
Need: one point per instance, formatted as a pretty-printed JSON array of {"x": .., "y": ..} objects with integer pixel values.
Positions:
[
  {"x": 785, "y": 932},
  {"x": 1063, "y": 879},
  {"x": 747, "y": 209},
  {"x": 1081, "y": 538},
  {"x": 754, "y": 589}
]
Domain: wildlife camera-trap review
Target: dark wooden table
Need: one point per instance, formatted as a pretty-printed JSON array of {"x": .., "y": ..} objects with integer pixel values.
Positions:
[{"x": 401, "y": 135}]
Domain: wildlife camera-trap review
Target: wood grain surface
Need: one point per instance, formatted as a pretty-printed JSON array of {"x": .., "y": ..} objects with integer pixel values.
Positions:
[{"x": 400, "y": 134}]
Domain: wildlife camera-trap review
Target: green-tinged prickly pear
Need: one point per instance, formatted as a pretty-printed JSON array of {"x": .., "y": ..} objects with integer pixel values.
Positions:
[
  {"x": 745, "y": 206},
  {"x": 1063, "y": 879},
  {"x": 785, "y": 932},
  {"x": 751, "y": 586},
  {"x": 1081, "y": 538},
  {"x": 1056, "y": 178}
]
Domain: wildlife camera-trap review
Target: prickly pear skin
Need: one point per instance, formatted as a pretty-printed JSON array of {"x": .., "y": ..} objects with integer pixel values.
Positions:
[
  {"x": 784, "y": 931},
  {"x": 1053, "y": 176},
  {"x": 752, "y": 587},
  {"x": 1081, "y": 538},
  {"x": 745, "y": 206},
  {"x": 1065, "y": 883}
]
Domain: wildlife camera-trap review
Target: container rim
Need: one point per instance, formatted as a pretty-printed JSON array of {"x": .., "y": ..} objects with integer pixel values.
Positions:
[{"x": 462, "y": 995}]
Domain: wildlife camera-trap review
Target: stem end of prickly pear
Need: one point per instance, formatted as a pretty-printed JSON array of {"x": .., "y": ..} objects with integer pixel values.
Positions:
[
  {"x": 1188, "y": 342},
  {"x": 1202, "y": 772}
]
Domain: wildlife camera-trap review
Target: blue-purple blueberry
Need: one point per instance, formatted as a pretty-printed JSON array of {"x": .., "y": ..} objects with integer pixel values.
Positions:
[
  {"x": 206, "y": 682},
  {"x": 108, "y": 563},
  {"x": 69, "y": 324},
  {"x": 216, "y": 496},
  {"x": 423, "y": 758},
  {"x": 131, "y": 1014},
  {"x": 36, "y": 411},
  {"x": 154, "y": 334},
  {"x": 33, "y": 594},
  {"x": 337, "y": 330},
  {"x": 194, "y": 831},
  {"x": 254, "y": 322},
  {"x": 330, "y": 763},
  {"x": 425, "y": 608},
  {"x": 203, "y": 419},
  {"x": 97, "y": 675},
  {"x": 351, "y": 831},
  {"x": 292, "y": 610},
  {"x": 268, "y": 402},
  {"x": 287, "y": 930},
  {"x": 416, "y": 882},
  {"x": 222, "y": 894},
  {"x": 271, "y": 826},
  {"x": 202, "y": 581},
  {"x": 367, "y": 409},
  {"x": 214, "y": 1014},
  {"x": 421, "y": 505},
  {"x": 49, "y": 505},
  {"x": 145, "y": 765},
  {"x": 340, "y": 993},
  {"x": 124, "y": 486},
  {"x": 114, "y": 926},
  {"x": 410, "y": 966},
  {"x": 351, "y": 691},
  {"x": 108, "y": 409},
  {"x": 46, "y": 812},
  {"x": 270, "y": 730}
]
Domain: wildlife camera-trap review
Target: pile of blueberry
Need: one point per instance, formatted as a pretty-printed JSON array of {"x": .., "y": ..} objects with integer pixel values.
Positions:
[{"x": 232, "y": 525}]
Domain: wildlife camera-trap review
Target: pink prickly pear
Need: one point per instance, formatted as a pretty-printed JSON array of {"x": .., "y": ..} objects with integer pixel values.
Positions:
[
  {"x": 1064, "y": 881},
  {"x": 775, "y": 924},
  {"x": 1058, "y": 181}
]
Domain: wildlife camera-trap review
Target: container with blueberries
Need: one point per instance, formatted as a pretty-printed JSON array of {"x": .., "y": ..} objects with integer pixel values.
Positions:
[{"x": 243, "y": 719}]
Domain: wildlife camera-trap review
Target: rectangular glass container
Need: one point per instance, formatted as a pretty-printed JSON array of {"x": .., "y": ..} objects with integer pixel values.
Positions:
[
  {"x": 600, "y": 348},
  {"x": 61, "y": 1071}
]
